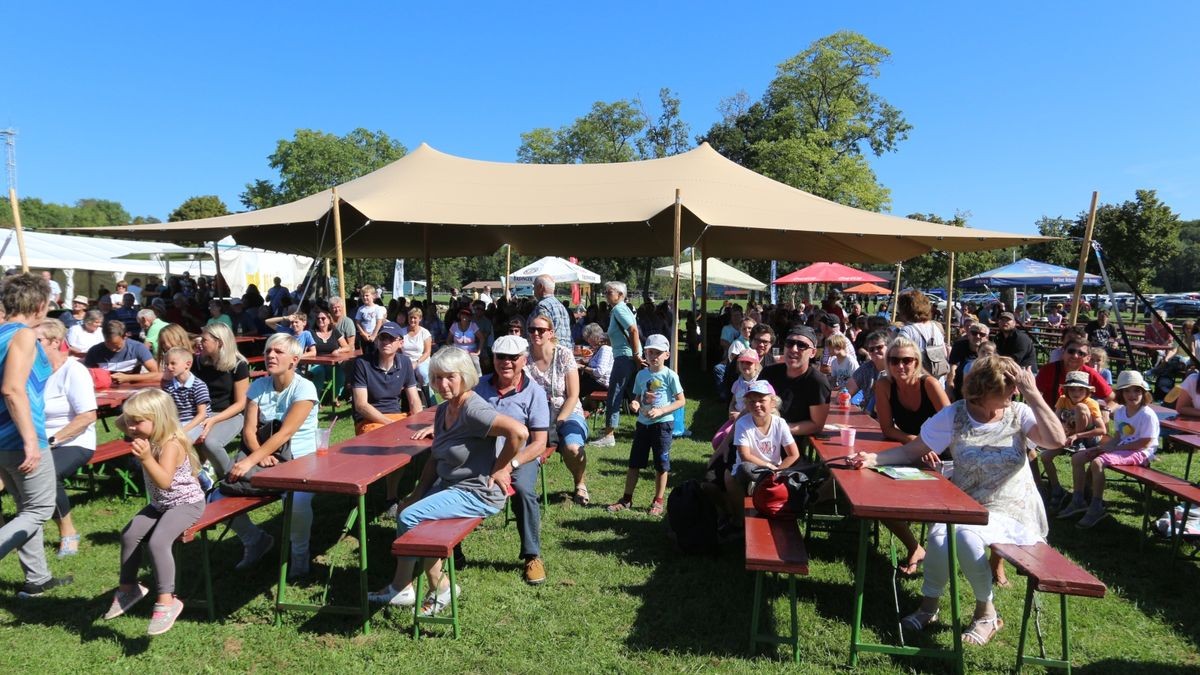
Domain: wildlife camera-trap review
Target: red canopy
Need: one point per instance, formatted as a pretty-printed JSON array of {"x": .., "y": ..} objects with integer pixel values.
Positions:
[
  {"x": 868, "y": 289},
  {"x": 827, "y": 273}
]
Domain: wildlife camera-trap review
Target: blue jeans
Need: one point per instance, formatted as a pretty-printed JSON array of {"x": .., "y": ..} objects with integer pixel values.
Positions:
[
  {"x": 446, "y": 503},
  {"x": 619, "y": 384},
  {"x": 527, "y": 510}
]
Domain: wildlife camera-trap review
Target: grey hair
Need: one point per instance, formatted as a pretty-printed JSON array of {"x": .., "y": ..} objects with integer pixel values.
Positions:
[
  {"x": 454, "y": 360},
  {"x": 545, "y": 283},
  {"x": 618, "y": 286},
  {"x": 93, "y": 315},
  {"x": 147, "y": 314},
  {"x": 594, "y": 330}
]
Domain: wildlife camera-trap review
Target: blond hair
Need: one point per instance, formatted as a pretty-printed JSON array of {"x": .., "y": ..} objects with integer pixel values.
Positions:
[
  {"x": 157, "y": 406},
  {"x": 900, "y": 342},
  {"x": 837, "y": 341},
  {"x": 228, "y": 355},
  {"x": 988, "y": 377},
  {"x": 179, "y": 353}
]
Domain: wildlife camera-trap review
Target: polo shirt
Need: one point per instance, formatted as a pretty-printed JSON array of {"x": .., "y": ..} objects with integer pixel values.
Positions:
[
  {"x": 620, "y": 320},
  {"x": 187, "y": 395},
  {"x": 153, "y": 331},
  {"x": 527, "y": 404},
  {"x": 385, "y": 388},
  {"x": 128, "y": 359}
]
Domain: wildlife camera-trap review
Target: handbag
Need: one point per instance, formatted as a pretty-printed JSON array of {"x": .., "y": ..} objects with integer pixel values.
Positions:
[
  {"x": 935, "y": 357},
  {"x": 787, "y": 493},
  {"x": 242, "y": 486}
]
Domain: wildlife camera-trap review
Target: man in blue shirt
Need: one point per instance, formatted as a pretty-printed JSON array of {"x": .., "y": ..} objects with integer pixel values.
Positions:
[
  {"x": 118, "y": 355},
  {"x": 549, "y": 306}
]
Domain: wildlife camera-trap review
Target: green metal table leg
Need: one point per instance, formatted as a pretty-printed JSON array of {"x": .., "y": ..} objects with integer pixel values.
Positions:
[
  {"x": 860, "y": 574},
  {"x": 362, "y": 564},
  {"x": 418, "y": 582},
  {"x": 208, "y": 584},
  {"x": 758, "y": 580},
  {"x": 1066, "y": 641},
  {"x": 795, "y": 634},
  {"x": 955, "y": 620},
  {"x": 453, "y": 596},
  {"x": 285, "y": 549},
  {"x": 1025, "y": 625},
  {"x": 545, "y": 495}
]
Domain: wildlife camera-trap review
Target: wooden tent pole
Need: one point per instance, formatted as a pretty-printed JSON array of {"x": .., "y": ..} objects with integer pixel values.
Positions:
[
  {"x": 428, "y": 269},
  {"x": 326, "y": 277},
  {"x": 692, "y": 284},
  {"x": 704, "y": 303},
  {"x": 1083, "y": 258},
  {"x": 337, "y": 237},
  {"x": 674, "y": 338},
  {"x": 896, "y": 291},
  {"x": 507, "y": 269},
  {"x": 217, "y": 278},
  {"x": 950, "y": 298},
  {"x": 16, "y": 213}
]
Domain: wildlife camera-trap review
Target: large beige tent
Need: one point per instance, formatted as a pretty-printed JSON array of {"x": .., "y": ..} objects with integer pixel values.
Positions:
[{"x": 429, "y": 202}]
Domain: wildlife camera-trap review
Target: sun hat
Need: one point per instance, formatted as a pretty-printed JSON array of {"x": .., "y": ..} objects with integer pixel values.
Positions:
[
  {"x": 760, "y": 387},
  {"x": 657, "y": 342},
  {"x": 748, "y": 355},
  {"x": 510, "y": 344},
  {"x": 1131, "y": 378},
  {"x": 1078, "y": 378},
  {"x": 81, "y": 299}
]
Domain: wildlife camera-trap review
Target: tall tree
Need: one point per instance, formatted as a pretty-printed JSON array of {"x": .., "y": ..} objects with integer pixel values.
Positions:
[
  {"x": 1139, "y": 236},
  {"x": 816, "y": 122},
  {"x": 39, "y": 214},
  {"x": 1064, "y": 250},
  {"x": 314, "y": 160},
  {"x": 1183, "y": 270},
  {"x": 195, "y": 208}
]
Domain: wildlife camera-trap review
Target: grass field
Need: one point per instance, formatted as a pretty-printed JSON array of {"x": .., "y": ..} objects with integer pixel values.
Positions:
[{"x": 618, "y": 598}]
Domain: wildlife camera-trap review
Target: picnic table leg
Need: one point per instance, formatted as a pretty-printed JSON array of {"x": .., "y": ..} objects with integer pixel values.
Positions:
[
  {"x": 208, "y": 585},
  {"x": 795, "y": 635},
  {"x": 1187, "y": 468},
  {"x": 1146, "y": 496},
  {"x": 1066, "y": 642},
  {"x": 362, "y": 563},
  {"x": 285, "y": 549},
  {"x": 860, "y": 573},
  {"x": 955, "y": 622},
  {"x": 758, "y": 580}
]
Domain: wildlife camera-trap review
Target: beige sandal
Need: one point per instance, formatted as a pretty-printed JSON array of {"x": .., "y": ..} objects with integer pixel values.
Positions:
[{"x": 975, "y": 635}]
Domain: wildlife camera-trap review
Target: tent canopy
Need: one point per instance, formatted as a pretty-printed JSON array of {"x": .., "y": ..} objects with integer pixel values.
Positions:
[
  {"x": 868, "y": 289},
  {"x": 452, "y": 206},
  {"x": 1026, "y": 272},
  {"x": 560, "y": 270},
  {"x": 719, "y": 273},
  {"x": 59, "y": 251},
  {"x": 827, "y": 273}
]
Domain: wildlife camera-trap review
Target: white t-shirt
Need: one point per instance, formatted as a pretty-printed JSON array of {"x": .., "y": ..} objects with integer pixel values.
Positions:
[
  {"x": 369, "y": 315},
  {"x": 70, "y": 392},
  {"x": 1190, "y": 384},
  {"x": 80, "y": 340},
  {"x": 413, "y": 346},
  {"x": 769, "y": 446},
  {"x": 1143, "y": 424},
  {"x": 841, "y": 371},
  {"x": 938, "y": 431}
]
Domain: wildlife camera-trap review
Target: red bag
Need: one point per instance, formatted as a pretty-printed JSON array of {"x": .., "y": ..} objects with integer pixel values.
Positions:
[
  {"x": 101, "y": 378},
  {"x": 783, "y": 494}
]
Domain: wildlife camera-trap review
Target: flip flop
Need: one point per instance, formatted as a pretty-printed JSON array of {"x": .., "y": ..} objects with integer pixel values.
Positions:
[{"x": 976, "y": 637}]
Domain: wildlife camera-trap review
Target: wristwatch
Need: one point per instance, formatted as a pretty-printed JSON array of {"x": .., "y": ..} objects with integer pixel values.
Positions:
[
  {"x": 51, "y": 442},
  {"x": 515, "y": 464}
]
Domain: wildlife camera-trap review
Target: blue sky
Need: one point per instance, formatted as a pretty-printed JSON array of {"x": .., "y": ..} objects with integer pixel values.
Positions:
[{"x": 1019, "y": 109}]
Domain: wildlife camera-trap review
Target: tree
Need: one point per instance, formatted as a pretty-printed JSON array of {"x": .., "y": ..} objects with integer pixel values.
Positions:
[
  {"x": 195, "y": 208},
  {"x": 39, "y": 214},
  {"x": 667, "y": 135},
  {"x": 1138, "y": 237},
  {"x": 608, "y": 133},
  {"x": 1063, "y": 251},
  {"x": 816, "y": 121},
  {"x": 314, "y": 160},
  {"x": 1181, "y": 273}
]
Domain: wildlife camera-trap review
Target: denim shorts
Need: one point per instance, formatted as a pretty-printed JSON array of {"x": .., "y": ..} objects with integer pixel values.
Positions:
[
  {"x": 573, "y": 431},
  {"x": 654, "y": 438}
]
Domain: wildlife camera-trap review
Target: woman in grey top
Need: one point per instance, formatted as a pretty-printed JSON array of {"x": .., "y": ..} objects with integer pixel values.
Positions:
[{"x": 464, "y": 477}]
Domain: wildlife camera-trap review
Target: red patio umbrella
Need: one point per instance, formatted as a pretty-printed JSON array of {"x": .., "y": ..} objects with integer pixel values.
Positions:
[
  {"x": 868, "y": 289},
  {"x": 827, "y": 273}
]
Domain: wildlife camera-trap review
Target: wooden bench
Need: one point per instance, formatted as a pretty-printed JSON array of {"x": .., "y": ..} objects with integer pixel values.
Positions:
[
  {"x": 107, "y": 452},
  {"x": 775, "y": 546},
  {"x": 1151, "y": 481},
  {"x": 434, "y": 539},
  {"x": 1049, "y": 572},
  {"x": 215, "y": 513}
]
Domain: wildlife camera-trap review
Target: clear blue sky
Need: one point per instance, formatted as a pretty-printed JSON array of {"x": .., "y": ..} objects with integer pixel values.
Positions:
[{"x": 1019, "y": 109}]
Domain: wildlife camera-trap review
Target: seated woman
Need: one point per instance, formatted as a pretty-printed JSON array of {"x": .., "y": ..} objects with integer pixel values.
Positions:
[
  {"x": 221, "y": 367},
  {"x": 465, "y": 335},
  {"x": 417, "y": 345},
  {"x": 903, "y": 401},
  {"x": 987, "y": 434},
  {"x": 593, "y": 373},
  {"x": 86, "y": 334},
  {"x": 464, "y": 477},
  {"x": 553, "y": 366},
  {"x": 328, "y": 341},
  {"x": 70, "y": 410}
]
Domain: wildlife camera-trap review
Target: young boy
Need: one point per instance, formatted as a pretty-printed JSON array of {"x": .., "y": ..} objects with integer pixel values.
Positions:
[
  {"x": 1080, "y": 417},
  {"x": 657, "y": 394},
  {"x": 368, "y": 319},
  {"x": 189, "y": 392}
]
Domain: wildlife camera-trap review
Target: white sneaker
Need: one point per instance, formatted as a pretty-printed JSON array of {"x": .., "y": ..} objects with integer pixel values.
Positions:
[
  {"x": 390, "y": 596},
  {"x": 435, "y": 603},
  {"x": 252, "y": 553},
  {"x": 604, "y": 442}
]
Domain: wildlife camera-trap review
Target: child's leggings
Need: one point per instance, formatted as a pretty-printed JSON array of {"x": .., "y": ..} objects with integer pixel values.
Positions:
[{"x": 159, "y": 530}]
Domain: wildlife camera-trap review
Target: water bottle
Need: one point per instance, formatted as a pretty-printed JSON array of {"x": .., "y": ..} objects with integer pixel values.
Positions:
[{"x": 843, "y": 397}]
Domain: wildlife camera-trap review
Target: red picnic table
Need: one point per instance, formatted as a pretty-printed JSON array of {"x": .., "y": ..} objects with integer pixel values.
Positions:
[
  {"x": 874, "y": 496},
  {"x": 330, "y": 360},
  {"x": 349, "y": 468},
  {"x": 1189, "y": 436}
]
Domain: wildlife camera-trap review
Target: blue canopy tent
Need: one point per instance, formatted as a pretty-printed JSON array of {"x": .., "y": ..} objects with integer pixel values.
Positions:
[{"x": 1026, "y": 272}]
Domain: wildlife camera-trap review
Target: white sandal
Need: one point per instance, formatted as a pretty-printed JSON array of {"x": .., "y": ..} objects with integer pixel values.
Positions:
[{"x": 976, "y": 637}]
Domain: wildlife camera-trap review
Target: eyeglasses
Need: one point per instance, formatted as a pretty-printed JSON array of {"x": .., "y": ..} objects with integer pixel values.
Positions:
[
  {"x": 766, "y": 342},
  {"x": 507, "y": 357},
  {"x": 538, "y": 330},
  {"x": 1077, "y": 352},
  {"x": 901, "y": 360},
  {"x": 798, "y": 344}
]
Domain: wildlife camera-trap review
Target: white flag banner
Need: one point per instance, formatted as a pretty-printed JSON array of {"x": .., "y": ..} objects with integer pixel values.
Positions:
[{"x": 398, "y": 279}]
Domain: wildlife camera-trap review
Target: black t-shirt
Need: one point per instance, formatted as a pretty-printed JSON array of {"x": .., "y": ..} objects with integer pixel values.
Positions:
[
  {"x": 326, "y": 347},
  {"x": 797, "y": 394},
  {"x": 960, "y": 354},
  {"x": 1018, "y": 347},
  {"x": 220, "y": 382},
  {"x": 1099, "y": 335}
]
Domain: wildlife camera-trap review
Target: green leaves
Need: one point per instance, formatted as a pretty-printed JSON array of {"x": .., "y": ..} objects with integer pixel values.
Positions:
[
  {"x": 36, "y": 214},
  {"x": 194, "y": 208},
  {"x": 620, "y": 131}
]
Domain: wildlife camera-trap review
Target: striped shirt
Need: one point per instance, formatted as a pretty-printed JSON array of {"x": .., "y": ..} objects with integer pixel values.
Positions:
[
  {"x": 551, "y": 307},
  {"x": 187, "y": 396},
  {"x": 10, "y": 437}
]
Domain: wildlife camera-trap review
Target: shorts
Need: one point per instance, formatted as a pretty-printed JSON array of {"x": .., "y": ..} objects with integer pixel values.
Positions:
[
  {"x": 362, "y": 426},
  {"x": 654, "y": 438},
  {"x": 572, "y": 431},
  {"x": 1125, "y": 458}
]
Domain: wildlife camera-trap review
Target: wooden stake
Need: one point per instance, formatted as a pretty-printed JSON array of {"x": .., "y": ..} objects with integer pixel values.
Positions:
[
  {"x": 950, "y": 298},
  {"x": 16, "y": 212},
  {"x": 337, "y": 236},
  {"x": 674, "y": 341},
  {"x": 1083, "y": 258}
]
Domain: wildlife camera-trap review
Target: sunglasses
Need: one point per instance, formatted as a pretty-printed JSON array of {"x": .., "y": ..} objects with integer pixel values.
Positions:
[
  {"x": 1077, "y": 352},
  {"x": 538, "y": 330},
  {"x": 979, "y": 333},
  {"x": 901, "y": 360},
  {"x": 507, "y": 357},
  {"x": 798, "y": 344}
]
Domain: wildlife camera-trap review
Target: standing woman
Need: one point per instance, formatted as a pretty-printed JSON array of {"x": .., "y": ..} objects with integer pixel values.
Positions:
[
  {"x": 225, "y": 371},
  {"x": 626, "y": 344},
  {"x": 553, "y": 366},
  {"x": 417, "y": 345},
  {"x": 329, "y": 341},
  {"x": 70, "y": 408},
  {"x": 26, "y": 466}
]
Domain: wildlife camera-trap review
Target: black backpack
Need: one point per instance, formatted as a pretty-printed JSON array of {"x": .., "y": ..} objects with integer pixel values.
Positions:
[{"x": 692, "y": 519}]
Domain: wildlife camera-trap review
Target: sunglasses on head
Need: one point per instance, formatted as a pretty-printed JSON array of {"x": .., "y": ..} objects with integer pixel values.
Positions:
[
  {"x": 898, "y": 360},
  {"x": 507, "y": 357},
  {"x": 798, "y": 344}
]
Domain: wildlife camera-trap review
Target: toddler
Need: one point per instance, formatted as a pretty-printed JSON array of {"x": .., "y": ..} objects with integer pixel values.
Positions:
[{"x": 840, "y": 361}]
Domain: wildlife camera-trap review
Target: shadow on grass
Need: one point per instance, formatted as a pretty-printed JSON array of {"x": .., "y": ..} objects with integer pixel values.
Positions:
[
  {"x": 1134, "y": 667},
  {"x": 81, "y": 618}
]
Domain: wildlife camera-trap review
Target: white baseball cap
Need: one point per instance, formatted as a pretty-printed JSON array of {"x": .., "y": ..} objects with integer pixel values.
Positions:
[{"x": 657, "y": 342}]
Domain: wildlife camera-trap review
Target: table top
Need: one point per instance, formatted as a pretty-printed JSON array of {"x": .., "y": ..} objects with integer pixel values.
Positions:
[
  {"x": 1186, "y": 425},
  {"x": 830, "y": 448},
  {"x": 352, "y": 465},
  {"x": 851, "y": 416}
]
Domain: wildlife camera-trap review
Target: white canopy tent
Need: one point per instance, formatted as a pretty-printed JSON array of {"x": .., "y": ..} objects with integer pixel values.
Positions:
[
  {"x": 562, "y": 271},
  {"x": 719, "y": 273}
]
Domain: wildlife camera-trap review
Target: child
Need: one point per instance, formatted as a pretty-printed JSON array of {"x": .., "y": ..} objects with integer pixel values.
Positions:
[
  {"x": 189, "y": 392},
  {"x": 657, "y": 394},
  {"x": 368, "y": 319},
  {"x": 984, "y": 350},
  {"x": 1134, "y": 444},
  {"x": 749, "y": 366},
  {"x": 169, "y": 466},
  {"x": 1098, "y": 360},
  {"x": 840, "y": 359},
  {"x": 763, "y": 441},
  {"x": 1081, "y": 419}
]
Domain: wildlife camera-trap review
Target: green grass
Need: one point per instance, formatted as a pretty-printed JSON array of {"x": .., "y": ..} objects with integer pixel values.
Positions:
[{"x": 618, "y": 599}]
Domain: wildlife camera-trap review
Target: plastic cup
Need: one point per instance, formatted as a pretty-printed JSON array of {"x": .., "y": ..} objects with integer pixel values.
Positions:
[
  {"x": 323, "y": 441},
  {"x": 847, "y": 435}
]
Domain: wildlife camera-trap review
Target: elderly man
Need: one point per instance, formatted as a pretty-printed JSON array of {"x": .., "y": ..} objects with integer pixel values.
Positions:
[
  {"x": 1014, "y": 343},
  {"x": 627, "y": 356},
  {"x": 344, "y": 324},
  {"x": 549, "y": 306},
  {"x": 513, "y": 393},
  {"x": 151, "y": 326},
  {"x": 963, "y": 351},
  {"x": 119, "y": 356},
  {"x": 802, "y": 389}
]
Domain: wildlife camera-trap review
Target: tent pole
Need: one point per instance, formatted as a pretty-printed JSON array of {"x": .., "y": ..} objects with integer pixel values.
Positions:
[
  {"x": 16, "y": 213},
  {"x": 428, "y": 269},
  {"x": 337, "y": 236},
  {"x": 217, "y": 280},
  {"x": 950, "y": 297},
  {"x": 326, "y": 277},
  {"x": 674, "y": 341},
  {"x": 704, "y": 303},
  {"x": 692, "y": 283},
  {"x": 896, "y": 291},
  {"x": 507, "y": 268},
  {"x": 1083, "y": 258}
]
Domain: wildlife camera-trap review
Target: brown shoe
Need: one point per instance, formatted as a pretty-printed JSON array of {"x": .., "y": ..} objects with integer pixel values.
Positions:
[{"x": 535, "y": 572}]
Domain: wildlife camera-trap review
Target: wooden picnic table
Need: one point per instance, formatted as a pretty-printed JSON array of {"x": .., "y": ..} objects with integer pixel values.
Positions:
[
  {"x": 349, "y": 468},
  {"x": 874, "y": 496},
  {"x": 330, "y": 360}
]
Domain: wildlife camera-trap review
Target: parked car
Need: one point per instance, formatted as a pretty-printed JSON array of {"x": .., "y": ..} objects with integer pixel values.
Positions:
[{"x": 1176, "y": 308}]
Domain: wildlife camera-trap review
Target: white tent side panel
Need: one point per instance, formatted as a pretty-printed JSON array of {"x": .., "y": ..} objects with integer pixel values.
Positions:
[{"x": 242, "y": 266}]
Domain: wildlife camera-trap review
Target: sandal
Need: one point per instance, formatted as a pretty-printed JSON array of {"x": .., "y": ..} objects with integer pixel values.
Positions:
[
  {"x": 620, "y": 505},
  {"x": 656, "y": 507},
  {"x": 975, "y": 635},
  {"x": 68, "y": 545},
  {"x": 582, "y": 497},
  {"x": 919, "y": 620}
]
